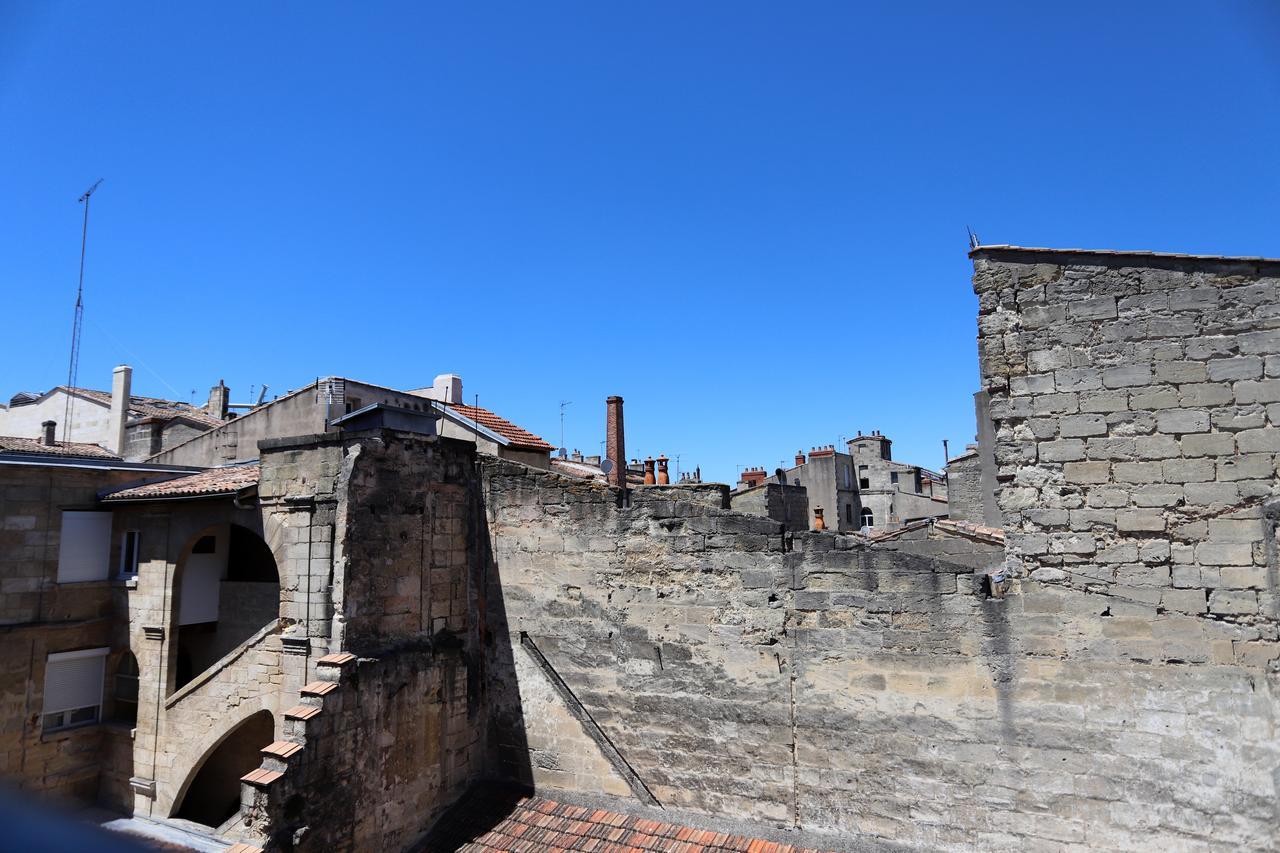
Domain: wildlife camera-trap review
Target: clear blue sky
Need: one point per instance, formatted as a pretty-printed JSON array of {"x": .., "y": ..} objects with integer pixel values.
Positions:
[{"x": 746, "y": 218}]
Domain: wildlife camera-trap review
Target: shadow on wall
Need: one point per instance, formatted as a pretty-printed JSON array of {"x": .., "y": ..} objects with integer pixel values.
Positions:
[{"x": 213, "y": 794}]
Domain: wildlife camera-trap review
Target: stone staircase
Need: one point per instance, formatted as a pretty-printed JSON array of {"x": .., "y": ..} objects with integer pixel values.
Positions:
[{"x": 264, "y": 791}]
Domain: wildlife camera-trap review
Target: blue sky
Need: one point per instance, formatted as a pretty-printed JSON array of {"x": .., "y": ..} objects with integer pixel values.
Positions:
[{"x": 746, "y": 218}]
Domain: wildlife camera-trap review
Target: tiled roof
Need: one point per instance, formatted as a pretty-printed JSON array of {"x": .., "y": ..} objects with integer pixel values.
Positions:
[
  {"x": 14, "y": 444},
  {"x": 215, "y": 481},
  {"x": 487, "y": 823},
  {"x": 152, "y": 407},
  {"x": 521, "y": 439},
  {"x": 966, "y": 528}
]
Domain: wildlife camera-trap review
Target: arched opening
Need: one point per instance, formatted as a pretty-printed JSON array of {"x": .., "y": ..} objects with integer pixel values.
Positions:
[
  {"x": 868, "y": 518},
  {"x": 213, "y": 793},
  {"x": 124, "y": 690},
  {"x": 228, "y": 588}
]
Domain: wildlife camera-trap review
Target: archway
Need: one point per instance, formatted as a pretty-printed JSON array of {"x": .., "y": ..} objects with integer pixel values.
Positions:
[
  {"x": 226, "y": 589},
  {"x": 213, "y": 793},
  {"x": 868, "y": 518}
]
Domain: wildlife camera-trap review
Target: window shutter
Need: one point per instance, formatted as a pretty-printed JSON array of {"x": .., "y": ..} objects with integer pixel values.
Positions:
[
  {"x": 84, "y": 551},
  {"x": 74, "y": 680}
]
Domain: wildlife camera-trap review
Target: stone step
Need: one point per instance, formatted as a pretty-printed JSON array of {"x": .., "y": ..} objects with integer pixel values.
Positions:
[
  {"x": 282, "y": 749},
  {"x": 261, "y": 778},
  {"x": 302, "y": 712}
]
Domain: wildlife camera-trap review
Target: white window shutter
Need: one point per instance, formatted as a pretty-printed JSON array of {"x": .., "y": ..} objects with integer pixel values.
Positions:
[
  {"x": 84, "y": 550},
  {"x": 74, "y": 680}
]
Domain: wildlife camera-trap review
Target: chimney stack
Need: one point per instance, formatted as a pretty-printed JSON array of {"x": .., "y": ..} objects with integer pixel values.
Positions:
[
  {"x": 50, "y": 430},
  {"x": 615, "y": 447},
  {"x": 819, "y": 523},
  {"x": 447, "y": 388},
  {"x": 220, "y": 400},
  {"x": 121, "y": 387},
  {"x": 649, "y": 478},
  {"x": 799, "y": 458},
  {"x": 664, "y": 475}
]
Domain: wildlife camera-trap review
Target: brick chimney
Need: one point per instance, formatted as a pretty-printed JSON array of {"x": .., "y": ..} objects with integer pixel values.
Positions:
[
  {"x": 752, "y": 477},
  {"x": 664, "y": 475},
  {"x": 615, "y": 446},
  {"x": 50, "y": 430},
  {"x": 799, "y": 458},
  {"x": 219, "y": 400},
  {"x": 121, "y": 386}
]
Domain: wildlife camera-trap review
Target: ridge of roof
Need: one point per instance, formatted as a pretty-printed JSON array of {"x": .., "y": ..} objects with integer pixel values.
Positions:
[{"x": 149, "y": 407}]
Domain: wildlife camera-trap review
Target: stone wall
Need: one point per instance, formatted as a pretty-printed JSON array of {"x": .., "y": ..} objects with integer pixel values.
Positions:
[
  {"x": 816, "y": 683},
  {"x": 964, "y": 488}
]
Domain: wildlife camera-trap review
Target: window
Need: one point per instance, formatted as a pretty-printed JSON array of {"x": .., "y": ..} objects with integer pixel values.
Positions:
[
  {"x": 848, "y": 513},
  {"x": 73, "y": 688},
  {"x": 893, "y": 476},
  {"x": 84, "y": 550},
  {"x": 129, "y": 554},
  {"x": 126, "y": 689},
  {"x": 848, "y": 479},
  {"x": 868, "y": 520},
  {"x": 864, "y": 479}
]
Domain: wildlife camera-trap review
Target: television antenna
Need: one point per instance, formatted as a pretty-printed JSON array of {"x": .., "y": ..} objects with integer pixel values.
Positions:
[
  {"x": 563, "y": 403},
  {"x": 73, "y": 368}
]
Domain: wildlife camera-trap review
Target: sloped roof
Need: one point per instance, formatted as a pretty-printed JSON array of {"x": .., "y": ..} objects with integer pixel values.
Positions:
[
  {"x": 14, "y": 444},
  {"x": 151, "y": 407},
  {"x": 488, "y": 823},
  {"x": 520, "y": 438},
  {"x": 215, "y": 481}
]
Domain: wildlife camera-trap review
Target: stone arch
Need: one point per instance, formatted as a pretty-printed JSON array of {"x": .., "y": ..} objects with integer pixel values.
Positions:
[
  {"x": 868, "y": 517},
  {"x": 225, "y": 588},
  {"x": 210, "y": 793}
]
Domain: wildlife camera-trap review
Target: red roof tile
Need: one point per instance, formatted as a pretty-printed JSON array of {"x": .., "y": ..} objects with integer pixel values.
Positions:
[
  {"x": 215, "y": 481},
  {"x": 486, "y": 821},
  {"x": 521, "y": 439},
  {"x": 14, "y": 444}
]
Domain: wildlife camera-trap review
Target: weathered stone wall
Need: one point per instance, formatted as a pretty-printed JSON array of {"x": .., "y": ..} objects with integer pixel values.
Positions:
[
  {"x": 819, "y": 684},
  {"x": 964, "y": 488}
]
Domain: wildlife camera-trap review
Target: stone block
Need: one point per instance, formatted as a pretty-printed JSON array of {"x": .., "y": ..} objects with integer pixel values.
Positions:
[
  {"x": 1189, "y": 470},
  {"x": 1077, "y": 379},
  {"x": 1157, "y": 447},
  {"x": 1150, "y": 399},
  {"x": 1212, "y": 494},
  {"x": 1206, "y": 394},
  {"x": 1193, "y": 298},
  {"x": 1181, "y": 372},
  {"x": 1140, "y": 520},
  {"x": 1098, "y": 308},
  {"x": 1023, "y": 386},
  {"x": 1158, "y": 494},
  {"x": 1138, "y": 472},
  {"x": 1083, "y": 425},
  {"x": 1087, "y": 472},
  {"x": 1253, "y": 466},
  {"x": 1184, "y": 600},
  {"x": 1066, "y": 450},
  {"x": 1263, "y": 440},
  {"x": 1262, "y": 342},
  {"x": 1239, "y": 530},
  {"x": 1104, "y": 401},
  {"x": 1180, "y": 421},
  {"x": 1224, "y": 553},
  {"x": 1231, "y": 369},
  {"x": 1257, "y": 391},
  {"x": 1208, "y": 444},
  {"x": 1233, "y": 602},
  {"x": 1127, "y": 376}
]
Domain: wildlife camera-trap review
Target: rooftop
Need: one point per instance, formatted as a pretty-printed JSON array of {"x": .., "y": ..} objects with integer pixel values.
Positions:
[
  {"x": 1115, "y": 254},
  {"x": 150, "y": 407},
  {"x": 481, "y": 824},
  {"x": 211, "y": 483},
  {"x": 520, "y": 438},
  {"x": 14, "y": 444}
]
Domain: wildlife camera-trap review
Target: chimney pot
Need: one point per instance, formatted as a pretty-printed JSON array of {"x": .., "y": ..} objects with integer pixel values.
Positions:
[
  {"x": 649, "y": 478},
  {"x": 50, "y": 429},
  {"x": 664, "y": 475},
  {"x": 121, "y": 391}
]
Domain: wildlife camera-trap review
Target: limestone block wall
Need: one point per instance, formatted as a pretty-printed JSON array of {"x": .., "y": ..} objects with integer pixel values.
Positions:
[{"x": 815, "y": 683}]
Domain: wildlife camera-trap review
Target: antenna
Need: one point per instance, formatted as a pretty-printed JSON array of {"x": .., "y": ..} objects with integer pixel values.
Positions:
[
  {"x": 973, "y": 238},
  {"x": 563, "y": 403},
  {"x": 73, "y": 367}
]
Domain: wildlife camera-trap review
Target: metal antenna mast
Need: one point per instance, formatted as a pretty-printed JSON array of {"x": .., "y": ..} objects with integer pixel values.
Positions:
[
  {"x": 74, "y": 367},
  {"x": 563, "y": 403}
]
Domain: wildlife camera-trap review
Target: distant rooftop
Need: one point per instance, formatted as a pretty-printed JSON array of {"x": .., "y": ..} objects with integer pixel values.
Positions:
[
  {"x": 206, "y": 484},
  {"x": 14, "y": 444}
]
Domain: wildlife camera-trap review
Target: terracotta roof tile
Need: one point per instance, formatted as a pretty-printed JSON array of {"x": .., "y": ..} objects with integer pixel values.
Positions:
[
  {"x": 337, "y": 658},
  {"x": 302, "y": 712},
  {"x": 215, "y": 481},
  {"x": 520, "y": 438},
  {"x": 76, "y": 449},
  {"x": 319, "y": 688},
  {"x": 261, "y": 778},
  {"x": 486, "y": 821},
  {"x": 282, "y": 748}
]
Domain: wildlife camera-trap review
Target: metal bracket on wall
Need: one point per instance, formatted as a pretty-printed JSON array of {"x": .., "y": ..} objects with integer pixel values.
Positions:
[{"x": 589, "y": 725}]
